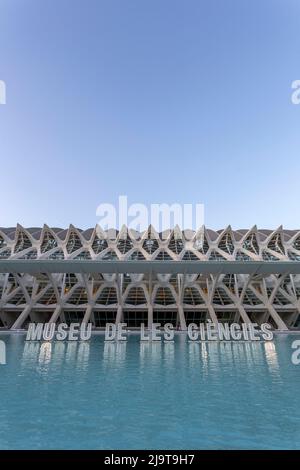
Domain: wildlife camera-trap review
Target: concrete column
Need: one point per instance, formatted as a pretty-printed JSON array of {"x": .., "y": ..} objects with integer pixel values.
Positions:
[
  {"x": 119, "y": 314},
  {"x": 150, "y": 316},
  {"x": 88, "y": 313},
  {"x": 279, "y": 322},
  {"x": 55, "y": 315},
  {"x": 21, "y": 318},
  {"x": 291, "y": 318},
  {"x": 7, "y": 318},
  {"x": 212, "y": 313},
  {"x": 263, "y": 318},
  {"x": 243, "y": 313},
  {"x": 181, "y": 317}
]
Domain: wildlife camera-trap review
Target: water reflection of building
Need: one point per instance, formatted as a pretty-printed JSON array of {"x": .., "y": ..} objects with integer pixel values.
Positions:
[
  {"x": 57, "y": 353},
  {"x": 114, "y": 353},
  {"x": 271, "y": 357},
  {"x": 215, "y": 354}
]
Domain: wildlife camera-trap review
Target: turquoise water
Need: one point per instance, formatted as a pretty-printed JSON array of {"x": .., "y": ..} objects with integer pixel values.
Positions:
[{"x": 99, "y": 395}]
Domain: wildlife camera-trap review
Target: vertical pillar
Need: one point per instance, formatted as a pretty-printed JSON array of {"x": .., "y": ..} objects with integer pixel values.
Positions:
[
  {"x": 291, "y": 318},
  {"x": 181, "y": 317},
  {"x": 294, "y": 317},
  {"x": 279, "y": 322},
  {"x": 212, "y": 313},
  {"x": 263, "y": 318},
  {"x": 243, "y": 313},
  {"x": 150, "y": 316},
  {"x": 21, "y": 318},
  {"x": 55, "y": 314},
  {"x": 181, "y": 285},
  {"x": 88, "y": 313},
  {"x": 119, "y": 314}
]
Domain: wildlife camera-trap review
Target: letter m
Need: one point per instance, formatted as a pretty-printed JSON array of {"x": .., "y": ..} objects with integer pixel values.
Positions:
[{"x": 34, "y": 332}]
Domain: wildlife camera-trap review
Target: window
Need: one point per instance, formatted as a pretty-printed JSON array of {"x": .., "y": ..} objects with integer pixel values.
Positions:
[
  {"x": 165, "y": 316},
  {"x": 104, "y": 316},
  {"x": 192, "y": 316},
  {"x": 226, "y": 244},
  {"x": 135, "y": 318},
  {"x": 73, "y": 243},
  {"x": 73, "y": 317},
  {"x": 48, "y": 243}
]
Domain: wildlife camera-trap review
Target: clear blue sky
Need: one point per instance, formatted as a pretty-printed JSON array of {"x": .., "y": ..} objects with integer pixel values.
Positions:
[{"x": 163, "y": 100}]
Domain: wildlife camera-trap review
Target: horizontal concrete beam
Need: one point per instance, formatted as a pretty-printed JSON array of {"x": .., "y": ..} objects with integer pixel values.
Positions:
[{"x": 163, "y": 267}]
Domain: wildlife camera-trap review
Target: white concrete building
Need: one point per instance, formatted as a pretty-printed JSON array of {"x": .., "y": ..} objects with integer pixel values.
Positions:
[{"x": 51, "y": 274}]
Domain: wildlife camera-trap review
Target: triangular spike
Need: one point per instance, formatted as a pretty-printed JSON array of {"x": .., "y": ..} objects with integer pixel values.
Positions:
[{"x": 99, "y": 232}]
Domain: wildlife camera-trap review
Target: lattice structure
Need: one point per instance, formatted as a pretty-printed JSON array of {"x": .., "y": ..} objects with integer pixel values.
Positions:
[{"x": 146, "y": 297}]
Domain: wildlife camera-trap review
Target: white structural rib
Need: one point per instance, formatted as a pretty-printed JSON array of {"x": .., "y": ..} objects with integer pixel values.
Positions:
[{"x": 52, "y": 274}]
